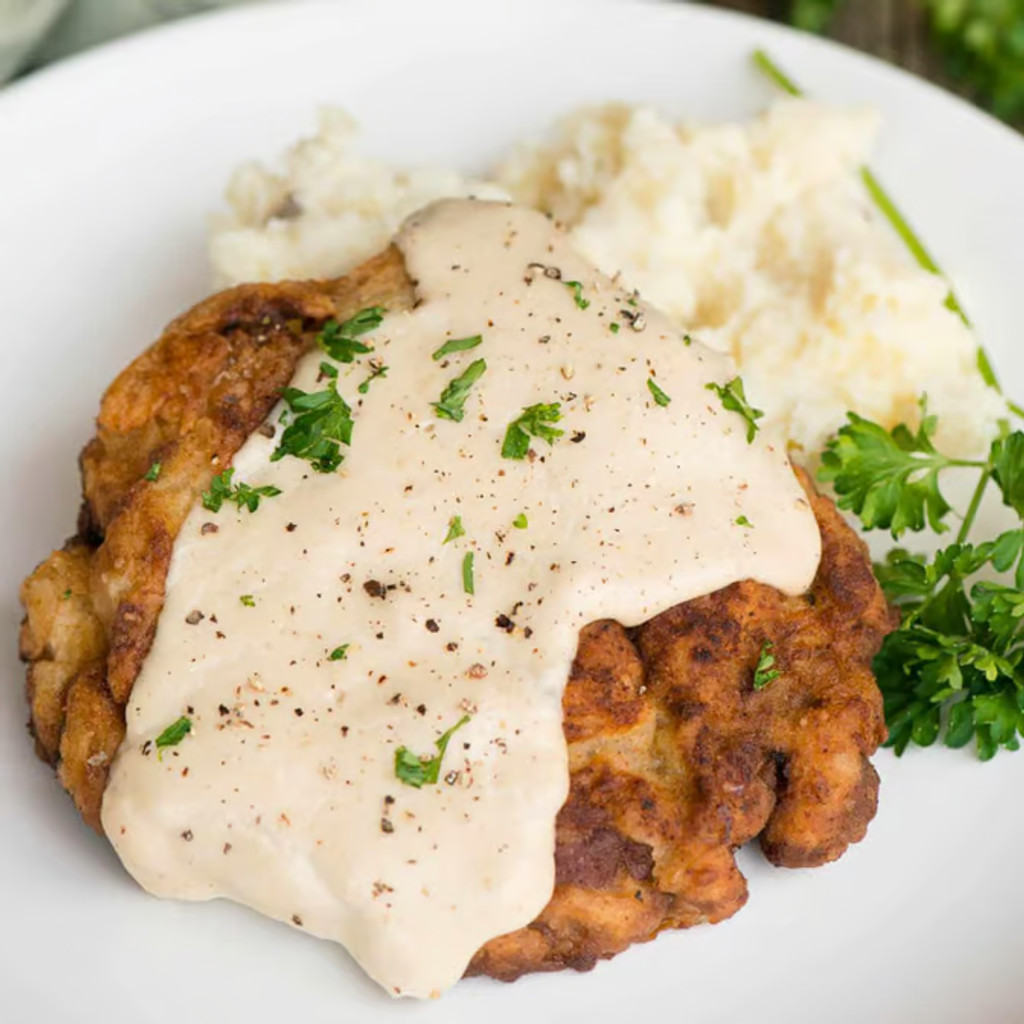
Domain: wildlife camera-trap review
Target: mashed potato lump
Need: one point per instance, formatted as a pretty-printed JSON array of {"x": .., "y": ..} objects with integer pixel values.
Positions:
[{"x": 758, "y": 237}]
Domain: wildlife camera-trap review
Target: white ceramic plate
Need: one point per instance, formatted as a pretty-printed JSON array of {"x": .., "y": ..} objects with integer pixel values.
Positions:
[{"x": 108, "y": 166}]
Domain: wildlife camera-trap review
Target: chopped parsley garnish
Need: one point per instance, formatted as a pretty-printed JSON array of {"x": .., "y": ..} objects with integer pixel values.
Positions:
[
  {"x": 735, "y": 400},
  {"x": 377, "y": 369},
  {"x": 520, "y": 522},
  {"x": 66, "y": 595},
  {"x": 660, "y": 397},
  {"x": 414, "y": 770},
  {"x": 614, "y": 327},
  {"x": 455, "y": 529},
  {"x": 153, "y": 473},
  {"x": 368, "y": 319},
  {"x": 451, "y": 404},
  {"x": 174, "y": 733},
  {"x": 244, "y": 496},
  {"x": 532, "y": 422},
  {"x": 744, "y": 521},
  {"x": 457, "y": 345},
  {"x": 467, "y": 573},
  {"x": 339, "y": 340},
  {"x": 322, "y": 423},
  {"x": 577, "y": 294},
  {"x": 248, "y": 600},
  {"x": 340, "y": 653},
  {"x": 766, "y": 672}
]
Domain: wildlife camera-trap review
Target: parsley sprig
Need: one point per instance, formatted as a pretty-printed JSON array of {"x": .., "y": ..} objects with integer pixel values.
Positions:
[
  {"x": 889, "y": 478},
  {"x": 222, "y": 489},
  {"x": 953, "y": 669},
  {"x": 533, "y": 421},
  {"x": 418, "y": 771}
]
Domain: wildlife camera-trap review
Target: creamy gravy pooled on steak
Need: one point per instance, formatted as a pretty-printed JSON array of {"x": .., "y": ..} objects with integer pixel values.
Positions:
[{"x": 284, "y": 795}]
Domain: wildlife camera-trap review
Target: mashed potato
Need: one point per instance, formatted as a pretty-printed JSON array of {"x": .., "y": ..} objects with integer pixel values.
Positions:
[{"x": 757, "y": 237}]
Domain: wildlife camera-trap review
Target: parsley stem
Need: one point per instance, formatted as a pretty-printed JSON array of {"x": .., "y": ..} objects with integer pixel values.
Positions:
[
  {"x": 772, "y": 71},
  {"x": 900, "y": 225},
  {"x": 972, "y": 509}
]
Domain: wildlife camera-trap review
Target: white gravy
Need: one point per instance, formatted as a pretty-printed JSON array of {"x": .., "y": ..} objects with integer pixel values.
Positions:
[{"x": 284, "y": 796}]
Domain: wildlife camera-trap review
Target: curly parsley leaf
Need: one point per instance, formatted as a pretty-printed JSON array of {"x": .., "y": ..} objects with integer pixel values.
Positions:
[
  {"x": 733, "y": 398},
  {"x": 418, "y": 771},
  {"x": 321, "y": 422},
  {"x": 975, "y": 673},
  {"x": 533, "y": 421},
  {"x": 452, "y": 403},
  {"x": 222, "y": 489}
]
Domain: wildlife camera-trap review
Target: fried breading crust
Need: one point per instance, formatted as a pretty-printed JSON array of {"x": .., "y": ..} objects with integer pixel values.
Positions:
[{"x": 675, "y": 759}]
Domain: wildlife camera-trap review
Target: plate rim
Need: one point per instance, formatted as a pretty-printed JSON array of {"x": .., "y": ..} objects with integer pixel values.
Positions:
[
  {"x": 147, "y": 43},
  {"x": 34, "y": 86}
]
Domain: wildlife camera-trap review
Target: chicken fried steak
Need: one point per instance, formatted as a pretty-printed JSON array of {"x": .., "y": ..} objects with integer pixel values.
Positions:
[{"x": 676, "y": 759}]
